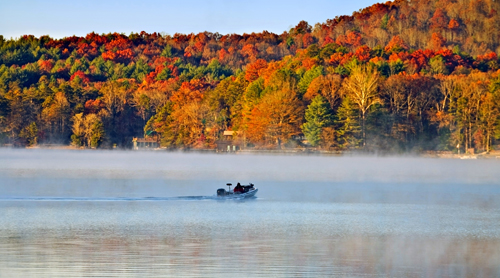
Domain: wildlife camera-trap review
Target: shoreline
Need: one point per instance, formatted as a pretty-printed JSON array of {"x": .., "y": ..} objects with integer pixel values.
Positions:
[{"x": 298, "y": 151}]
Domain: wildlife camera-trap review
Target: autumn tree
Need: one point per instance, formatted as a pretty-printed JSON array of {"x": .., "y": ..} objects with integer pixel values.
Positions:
[
  {"x": 399, "y": 98},
  {"x": 116, "y": 98},
  {"x": 160, "y": 124},
  {"x": 396, "y": 44},
  {"x": 328, "y": 87},
  {"x": 362, "y": 87},
  {"x": 142, "y": 103},
  {"x": 439, "y": 20},
  {"x": 489, "y": 116},
  {"x": 276, "y": 118},
  {"x": 435, "y": 60},
  {"x": 94, "y": 130},
  {"x": 468, "y": 105},
  {"x": 308, "y": 77},
  {"x": 78, "y": 128},
  {"x": 186, "y": 126},
  {"x": 253, "y": 70},
  {"x": 56, "y": 114}
]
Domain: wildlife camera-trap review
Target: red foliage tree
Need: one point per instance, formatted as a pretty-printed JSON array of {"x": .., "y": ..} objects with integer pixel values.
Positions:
[
  {"x": 94, "y": 106},
  {"x": 125, "y": 55},
  {"x": 96, "y": 38},
  {"x": 109, "y": 55},
  {"x": 492, "y": 56},
  {"x": 80, "y": 75},
  {"x": 254, "y": 70},
  {"x": 328, "y": 40},
  {"x": 307, "y": 40},
  {"x": 222, "y": 54},
  {"x": 191, "y": 91},
  {"x": 453, "y": 24},
  {"x": 340, "y": 58},
  {"x": 437, "y": 41},
  {"x": 420, "y": 58},
  {"x": 396, "y": 44},
  {"x": 352, "y": 38},
  {"x": 308, "y": 63},
  {"x": 45, "y": 65},
  {"x": 363, "y": 53},
  {"x": 440, "y": 20},
  {"x": 402, "y": 56},
  {"x": 119, "y": 43},
  {"x": 250, "y": 51}
]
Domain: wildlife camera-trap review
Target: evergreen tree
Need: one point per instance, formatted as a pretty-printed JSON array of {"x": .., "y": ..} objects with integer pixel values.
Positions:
[
  {"x": 30, "y": 134},
  {"x": 318, "y": 116},
  {"x": 308, "y": 77},
  {"x": 349, "y": 129},
  {"x": 98, "y": 134}
]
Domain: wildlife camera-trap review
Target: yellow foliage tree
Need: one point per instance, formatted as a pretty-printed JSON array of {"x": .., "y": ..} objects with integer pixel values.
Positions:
[{"x": 362, "y": 87}]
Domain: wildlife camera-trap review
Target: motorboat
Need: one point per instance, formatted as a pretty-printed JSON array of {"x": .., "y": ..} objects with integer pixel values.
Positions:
[{"x": 246, "y": 191}]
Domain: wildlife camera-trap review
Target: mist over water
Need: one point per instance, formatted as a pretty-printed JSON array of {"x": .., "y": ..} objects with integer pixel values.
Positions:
[{"x": 136, "y": 214}]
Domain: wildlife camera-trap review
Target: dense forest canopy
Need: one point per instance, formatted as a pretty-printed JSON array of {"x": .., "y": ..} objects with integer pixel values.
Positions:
[{"x": 407, "y": 75}]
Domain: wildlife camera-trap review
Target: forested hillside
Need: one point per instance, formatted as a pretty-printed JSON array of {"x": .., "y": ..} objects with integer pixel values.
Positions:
[{"x": 401, "y": 76}]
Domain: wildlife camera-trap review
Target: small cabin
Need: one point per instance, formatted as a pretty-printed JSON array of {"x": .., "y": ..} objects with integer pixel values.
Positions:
[
  {"x": 145, "y": 143},
  {"x": 228, "y": 144}
]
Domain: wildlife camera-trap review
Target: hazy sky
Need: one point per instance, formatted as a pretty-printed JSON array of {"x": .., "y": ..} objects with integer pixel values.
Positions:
[{"x": 61, "y": 18}]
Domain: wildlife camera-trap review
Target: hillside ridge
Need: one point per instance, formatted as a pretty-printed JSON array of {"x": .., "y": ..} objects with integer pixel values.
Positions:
[{"x": 427, "y": 70}]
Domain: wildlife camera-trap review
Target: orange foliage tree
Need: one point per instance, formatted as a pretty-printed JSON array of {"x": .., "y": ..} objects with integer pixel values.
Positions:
[
  {"x": 254, "y": 70},
  {"x": 276, "y": 118}
]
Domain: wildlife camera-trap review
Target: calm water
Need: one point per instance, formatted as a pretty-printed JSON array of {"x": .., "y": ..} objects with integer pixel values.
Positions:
[{"x": 154, "y": 214}]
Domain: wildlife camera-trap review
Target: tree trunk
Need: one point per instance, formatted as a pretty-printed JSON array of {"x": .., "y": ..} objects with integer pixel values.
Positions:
[
  {"x": 470, "y": 134},
  {"x": 363, "y": 128},
  {"x": 487, "y": 141}
]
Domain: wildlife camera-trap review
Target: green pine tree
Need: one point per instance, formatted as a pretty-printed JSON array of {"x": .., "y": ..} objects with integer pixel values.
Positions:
[
  {"x": 349, "y": 129},
  {"x": 318, "y": 116},
  {"x": 308, "y": 77},
  {"x": 98, "y": 134},
  {"x": 30, "y": 134}
]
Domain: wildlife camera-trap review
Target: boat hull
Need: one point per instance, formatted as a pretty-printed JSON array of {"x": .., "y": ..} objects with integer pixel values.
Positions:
[{"x": 248, "y": 194}]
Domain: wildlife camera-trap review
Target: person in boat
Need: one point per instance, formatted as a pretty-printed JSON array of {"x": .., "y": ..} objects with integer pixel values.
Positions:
[
  {"x": 238, "y": 188},
  {"x": 247, "y": 188}
]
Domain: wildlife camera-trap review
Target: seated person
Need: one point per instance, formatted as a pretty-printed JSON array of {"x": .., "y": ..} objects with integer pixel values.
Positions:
[
  {"x": 238, "y": 188},
  {"x": 247, "y": 188}
]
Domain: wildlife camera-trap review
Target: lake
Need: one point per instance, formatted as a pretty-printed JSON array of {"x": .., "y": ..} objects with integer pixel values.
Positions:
[{"x": 76, "y": 213}]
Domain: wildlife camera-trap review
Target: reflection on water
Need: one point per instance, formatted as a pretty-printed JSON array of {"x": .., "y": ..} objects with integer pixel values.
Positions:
[
  {"x": 57, "y": 222},
  {"x": 258, "y": 238}
]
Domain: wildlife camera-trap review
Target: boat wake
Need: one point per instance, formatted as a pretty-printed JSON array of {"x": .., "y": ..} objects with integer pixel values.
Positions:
[{"x": 123, "y": 199}]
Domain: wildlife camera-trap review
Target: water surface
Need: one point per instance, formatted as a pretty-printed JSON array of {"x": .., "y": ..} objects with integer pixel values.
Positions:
[{"x": 154, "y": 214}]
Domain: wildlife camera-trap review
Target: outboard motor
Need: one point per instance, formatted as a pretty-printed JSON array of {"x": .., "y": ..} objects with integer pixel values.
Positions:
[{"x": 221, "y": 192}]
